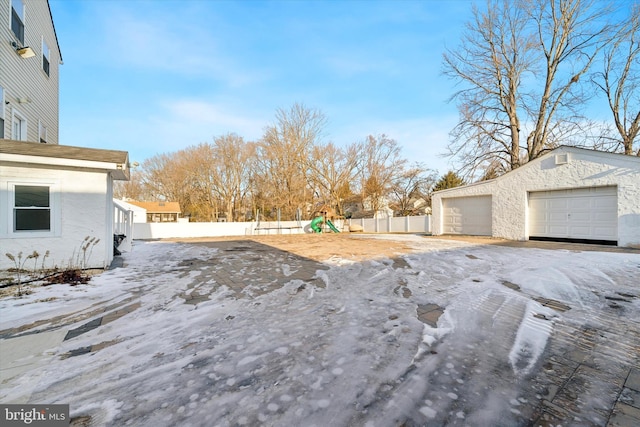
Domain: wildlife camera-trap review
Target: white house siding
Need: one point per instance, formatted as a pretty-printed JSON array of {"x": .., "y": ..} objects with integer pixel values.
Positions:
[
  {"x": 585, "y": 168},
  {"x": 81, "y": 211},
  {"x": 24, "y": 77}
]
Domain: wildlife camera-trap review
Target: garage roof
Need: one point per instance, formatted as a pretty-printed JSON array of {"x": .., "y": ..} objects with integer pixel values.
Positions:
[{"x": 561, "y": 149}]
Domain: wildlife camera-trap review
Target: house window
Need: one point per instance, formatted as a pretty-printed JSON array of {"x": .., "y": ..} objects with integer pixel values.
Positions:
[
  {"x": 162, "y": 217},
  {"x": 32, "y": 208},
  {"x": 17, "y": 19},
  {"x": 19, "y": 128},
  {"x": 46, "y": 55},
  {"x": 1, "y": 112},
  {"x": 43, "y": 133}
]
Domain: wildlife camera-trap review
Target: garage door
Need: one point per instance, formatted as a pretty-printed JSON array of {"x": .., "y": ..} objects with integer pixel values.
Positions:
[
  {"x": 580, "y": 214},
  {"x": 467, "y": 215}
]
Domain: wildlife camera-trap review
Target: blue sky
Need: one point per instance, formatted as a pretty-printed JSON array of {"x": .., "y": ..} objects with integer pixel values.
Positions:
[{"x": 157, "y": 76}]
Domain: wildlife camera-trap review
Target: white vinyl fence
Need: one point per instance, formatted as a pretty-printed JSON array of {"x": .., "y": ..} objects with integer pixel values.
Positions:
[
  {"x": 164, "y": 230},
  {"x": 400, "y": 224}
]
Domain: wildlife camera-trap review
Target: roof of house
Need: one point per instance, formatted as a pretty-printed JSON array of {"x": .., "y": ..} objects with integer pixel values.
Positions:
[
  {"x": 66, "y": 155},
  {"x": 124, "y": 204},
  {"x": 54, "y": 31},
  {"x": 158, "y": 207}
]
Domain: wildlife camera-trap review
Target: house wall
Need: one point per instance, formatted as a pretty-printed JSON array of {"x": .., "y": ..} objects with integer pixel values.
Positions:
[
  {"x": 585, "y": 169},
  {"x": 25, "y": 77},
  {"x": 79, "y": 210}
]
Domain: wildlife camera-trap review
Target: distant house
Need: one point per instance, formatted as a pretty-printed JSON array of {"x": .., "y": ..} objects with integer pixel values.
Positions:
[
  {"x": 416, "y": 206},
  {"x": 569, "y": 194},
  {"x": 138, "y": 214},
  {"x": 54, "y": 198},
  {"x": 354, "y": 207},
  {"x": 159, "y": 211}
]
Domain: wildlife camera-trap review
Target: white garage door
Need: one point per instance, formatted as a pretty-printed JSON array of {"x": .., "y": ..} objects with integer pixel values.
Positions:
[
  {"x": 578, "y": 214},
  {"x": 467, "y": 215}
]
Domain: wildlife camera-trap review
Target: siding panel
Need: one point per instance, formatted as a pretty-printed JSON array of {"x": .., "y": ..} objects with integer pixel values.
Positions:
[{"x": 24, "y": 77}]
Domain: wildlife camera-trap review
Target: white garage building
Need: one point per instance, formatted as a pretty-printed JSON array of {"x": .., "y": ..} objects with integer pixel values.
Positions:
[{"x": 569, "y": 194}]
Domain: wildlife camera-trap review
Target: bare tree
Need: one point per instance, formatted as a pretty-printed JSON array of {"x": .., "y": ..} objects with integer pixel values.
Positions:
[
  {"x": 520, "y": 64},
  {"x": 571, "y": 36},
  {"x": 620, "y": 82},
  {"x": 331, "y": 171},
  {"x": 183, "y": 177},
  {"x": 283, "y": 156},
  {"x": 132, "y": 189},
  {"x": 231, "y": 158},
  {"x": 495, "y": 53},
  {"x": 380, "y": 164},
  {"x": 165, "y": 177},
  {"x": 412, "y": 185}
]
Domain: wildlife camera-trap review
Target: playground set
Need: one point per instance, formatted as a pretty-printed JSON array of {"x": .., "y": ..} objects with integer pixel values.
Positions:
[
  {"x": 278, "y": 225},
  {"x": 325, "y": 215},
  {"x": 321, "y": 221}
]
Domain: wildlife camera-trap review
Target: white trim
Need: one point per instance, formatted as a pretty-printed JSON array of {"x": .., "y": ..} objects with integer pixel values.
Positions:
[
  {"x": 2, "y": 106},
  {"x": 44, "y": 45},
  {"x": 23, "y": 19},
  {"x": 54, "y": 206},
  {"x": 59, "y": 161},
  {"x": 15, "y": 114},
  {"x": 3, "y": 125},
  {"x": 41, "y": 126}
]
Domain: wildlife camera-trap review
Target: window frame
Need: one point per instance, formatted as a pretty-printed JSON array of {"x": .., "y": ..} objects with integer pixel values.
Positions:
[
  {"x": 46, "y": 56},
  {"x": 21, "y": 19},
  {"x": 2, "y": 110},
  {"x": 54, "y": 209},
  {"x": 42, "y": 131},
  {"x": 23, "y": 129}
]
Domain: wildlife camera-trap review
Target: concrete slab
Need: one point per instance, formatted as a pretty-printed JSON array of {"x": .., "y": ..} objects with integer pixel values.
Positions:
[
  {"x": 23, "y": 354},
  {"x": 633, "y": 381}
]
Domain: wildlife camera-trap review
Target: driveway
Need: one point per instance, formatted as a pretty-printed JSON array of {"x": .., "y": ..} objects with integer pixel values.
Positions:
[{"x": 240, "y": 332}]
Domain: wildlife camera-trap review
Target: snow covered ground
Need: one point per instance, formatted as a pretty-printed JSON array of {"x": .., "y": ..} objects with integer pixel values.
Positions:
[{"x": 345, "y": 349}]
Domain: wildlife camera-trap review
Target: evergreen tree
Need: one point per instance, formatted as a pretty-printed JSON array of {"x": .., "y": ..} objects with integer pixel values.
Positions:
[{"x": 448, "y": 180}]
